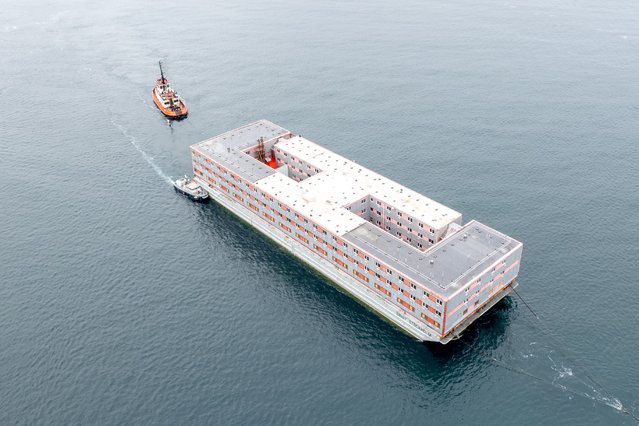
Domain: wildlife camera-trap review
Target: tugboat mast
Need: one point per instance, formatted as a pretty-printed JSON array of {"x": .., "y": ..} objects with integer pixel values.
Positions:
[{"x": 161, "y": 72}]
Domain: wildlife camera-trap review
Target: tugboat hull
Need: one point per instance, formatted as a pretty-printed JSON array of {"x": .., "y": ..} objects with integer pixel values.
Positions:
[
  {"x": 195, "y": 192},
  {"x": 176, "y": 113},
  {"x": 197, "y": 199},
  {"x": 167, "y": 99}
]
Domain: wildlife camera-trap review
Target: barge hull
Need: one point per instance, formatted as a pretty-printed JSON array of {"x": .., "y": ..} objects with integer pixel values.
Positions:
[
  {"x": 405, "y": 256},
  {"x": 367, "y": 298}
]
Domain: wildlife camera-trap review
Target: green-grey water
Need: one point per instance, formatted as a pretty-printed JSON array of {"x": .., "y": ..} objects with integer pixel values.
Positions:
[{"x": 123, "y": 303}]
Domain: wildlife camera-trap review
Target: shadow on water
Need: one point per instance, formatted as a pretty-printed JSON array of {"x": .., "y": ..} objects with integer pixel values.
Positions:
[
  {"x": 423, "y": 364},
  {"x": 487, "y": 332},
  {"x": 481, "y": 349}
]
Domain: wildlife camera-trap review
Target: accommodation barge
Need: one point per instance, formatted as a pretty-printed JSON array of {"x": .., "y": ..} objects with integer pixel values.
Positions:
[{"x": 403, "y": 255}]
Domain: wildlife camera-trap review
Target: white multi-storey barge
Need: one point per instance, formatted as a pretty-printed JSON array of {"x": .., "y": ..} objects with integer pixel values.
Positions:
[{"x": 403, "y": 255}]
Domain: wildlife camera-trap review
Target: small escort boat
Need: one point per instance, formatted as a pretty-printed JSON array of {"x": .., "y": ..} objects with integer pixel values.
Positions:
[
  {"x": 167, "y": 99},
  {"x": 191, "y": 189}
]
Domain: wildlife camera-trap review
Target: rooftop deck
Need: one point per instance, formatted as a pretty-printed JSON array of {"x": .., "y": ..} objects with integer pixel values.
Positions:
[
  {"x": 323, "y": 198},
  {"x": 227, "y": 148},
  {"x": 359, "y": 181},
  {"x": 448, "y": 265},
  {"x": 314, "y": 204}
]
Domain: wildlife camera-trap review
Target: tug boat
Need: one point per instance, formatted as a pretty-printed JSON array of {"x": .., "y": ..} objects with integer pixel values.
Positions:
[
  {"x": 167, "y": 99},
  {"x": 191, "y": 189}
]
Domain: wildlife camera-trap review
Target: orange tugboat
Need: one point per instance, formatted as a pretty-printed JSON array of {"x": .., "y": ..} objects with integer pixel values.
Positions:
[{"x": 167, "y": 99}]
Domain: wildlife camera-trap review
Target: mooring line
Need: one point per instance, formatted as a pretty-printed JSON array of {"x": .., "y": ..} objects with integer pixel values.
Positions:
[
  {"x": 527, "y": 305},
  {"x": 560, "y": 349},
  {"x": 501, "y": 364}
]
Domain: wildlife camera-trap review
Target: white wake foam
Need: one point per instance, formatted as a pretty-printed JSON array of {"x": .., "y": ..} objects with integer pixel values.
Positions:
[
  {"x": 146, "y": 156},
  {"x": 575, "y": 382}
]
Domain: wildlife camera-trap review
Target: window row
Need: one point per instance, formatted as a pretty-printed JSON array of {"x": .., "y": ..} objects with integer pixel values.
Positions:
[{"x": 322, "y": 241}]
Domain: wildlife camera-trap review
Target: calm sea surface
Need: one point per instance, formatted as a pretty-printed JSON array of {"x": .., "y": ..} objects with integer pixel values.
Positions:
[{"x": 123, "y": 303}]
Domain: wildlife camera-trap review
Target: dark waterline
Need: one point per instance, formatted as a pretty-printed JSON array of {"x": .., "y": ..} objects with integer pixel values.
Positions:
[{"x": 125, "y": 303}]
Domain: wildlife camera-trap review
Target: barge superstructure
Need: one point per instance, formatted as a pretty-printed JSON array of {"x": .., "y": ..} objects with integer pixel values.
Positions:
[{"x": 405, "y": 256}]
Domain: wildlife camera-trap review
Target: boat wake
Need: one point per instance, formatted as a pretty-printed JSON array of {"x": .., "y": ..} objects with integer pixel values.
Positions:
[
  {"x": 144, "y": 154},
  {"x": 50, "y": 21},
  {"x": 578, "y": 381},
  {"x": 553, "y": 364}
]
